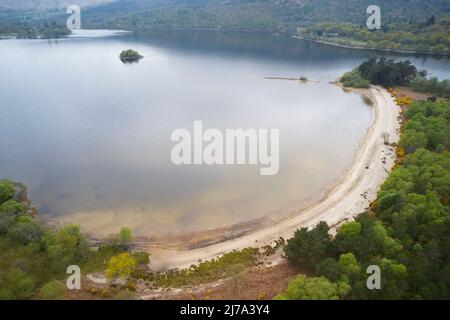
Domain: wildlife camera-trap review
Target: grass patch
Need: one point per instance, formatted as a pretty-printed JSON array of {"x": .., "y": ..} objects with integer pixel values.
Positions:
[
  {"x": 228, "y": 265},
  {"x": 99, "y": 259}
]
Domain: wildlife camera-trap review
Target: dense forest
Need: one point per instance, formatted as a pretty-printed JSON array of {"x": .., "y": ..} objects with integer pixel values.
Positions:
[
  {"x": 269, "y": 15},
  {"x": 406, "y": 231},
  {"x": 382, "y": 71}
]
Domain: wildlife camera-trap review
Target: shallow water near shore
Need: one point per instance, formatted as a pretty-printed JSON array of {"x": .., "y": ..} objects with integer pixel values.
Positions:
[{"x": 90, "y": 136}]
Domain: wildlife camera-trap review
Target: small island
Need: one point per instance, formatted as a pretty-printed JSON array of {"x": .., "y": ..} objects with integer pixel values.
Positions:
[{"x": 130, "y": 55}]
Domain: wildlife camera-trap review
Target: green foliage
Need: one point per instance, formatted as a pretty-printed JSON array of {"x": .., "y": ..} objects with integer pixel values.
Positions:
[
  {"x": 428, "y": 127},
  {"x": 16, "y": 285},
  {"x": 329, "y": 268},
  {"x": 386, "y": 72},
  {"x": 349, "y": 266},
  {"x": 381, "y": 71},
  {"x": 67, "y": 246},
  {"x": 432, "y": 85},
  {"x": 412, "y": 140},
  {"x": 122, "y": 265},
  {"x": 12, "y": 207},
  {"x": 304, "y": 288},
  {"x": 7, "y": 191},
  {"x": 7, "y": 221},
  {"x": 98, "y": 260},
  {"x": 53, "y": 290},
  {"x": 189, "y": 15},
  {"x": 307, "y": 248},
  {"x": 350, "y": 230},
  {"x": 409, "y": 237},
  {"x": 348, "y": 236},
  {"x": 394, "y": 282},
  {"x": 354, "y": 79},
  {"x": 26, "y": 230},
  {"x": 125, "y": 237},
  {"x": 130, "y": 56}
]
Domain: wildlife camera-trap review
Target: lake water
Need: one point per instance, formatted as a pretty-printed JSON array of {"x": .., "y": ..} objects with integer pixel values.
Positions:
[{"x": 90, "y": 136}]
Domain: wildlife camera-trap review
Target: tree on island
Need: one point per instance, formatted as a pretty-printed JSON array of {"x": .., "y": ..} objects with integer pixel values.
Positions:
[{"x": 130, "y": 56}]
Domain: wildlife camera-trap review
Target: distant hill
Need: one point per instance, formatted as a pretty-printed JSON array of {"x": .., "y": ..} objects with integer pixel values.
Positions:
[
  {"x": 253, "y": 14},
  {"x": 233, "y": 14},
  {"x": 242, "y": 15}
]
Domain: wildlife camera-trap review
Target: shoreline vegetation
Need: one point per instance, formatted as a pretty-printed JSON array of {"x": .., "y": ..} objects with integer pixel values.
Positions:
[
  {"x": 34, "y": 257},
  {"x": 58, "y": 32},
  {"x": 355, "y": 47},
  {"x": 33, "y": 31},
  {"x": 428, "y": 36}
]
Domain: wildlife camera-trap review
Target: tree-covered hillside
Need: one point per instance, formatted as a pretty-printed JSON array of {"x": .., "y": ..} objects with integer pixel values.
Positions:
[{"x": 274, "y": 15}]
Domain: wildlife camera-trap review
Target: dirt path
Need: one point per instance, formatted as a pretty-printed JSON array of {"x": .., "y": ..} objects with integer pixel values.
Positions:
[{"x": 351, "y": 196}]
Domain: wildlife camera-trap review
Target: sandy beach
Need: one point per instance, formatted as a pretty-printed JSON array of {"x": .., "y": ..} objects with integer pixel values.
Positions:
[{"x": 352, "y": 194}]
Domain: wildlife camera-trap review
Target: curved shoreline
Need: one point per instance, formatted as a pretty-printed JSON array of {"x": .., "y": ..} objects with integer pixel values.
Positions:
[{"x": 349, "y": 197}]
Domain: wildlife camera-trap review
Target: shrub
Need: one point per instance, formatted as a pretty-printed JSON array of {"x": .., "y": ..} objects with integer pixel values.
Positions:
[
  {"x": 53, "y": 290},
  {"x": 122, "y": 265},
  {"x": 354, "y": 79},
  {"x": 7, "y": 191}
]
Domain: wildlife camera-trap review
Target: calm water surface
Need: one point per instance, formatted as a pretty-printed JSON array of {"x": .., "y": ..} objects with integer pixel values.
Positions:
[{"x": 90, "y": 136}]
